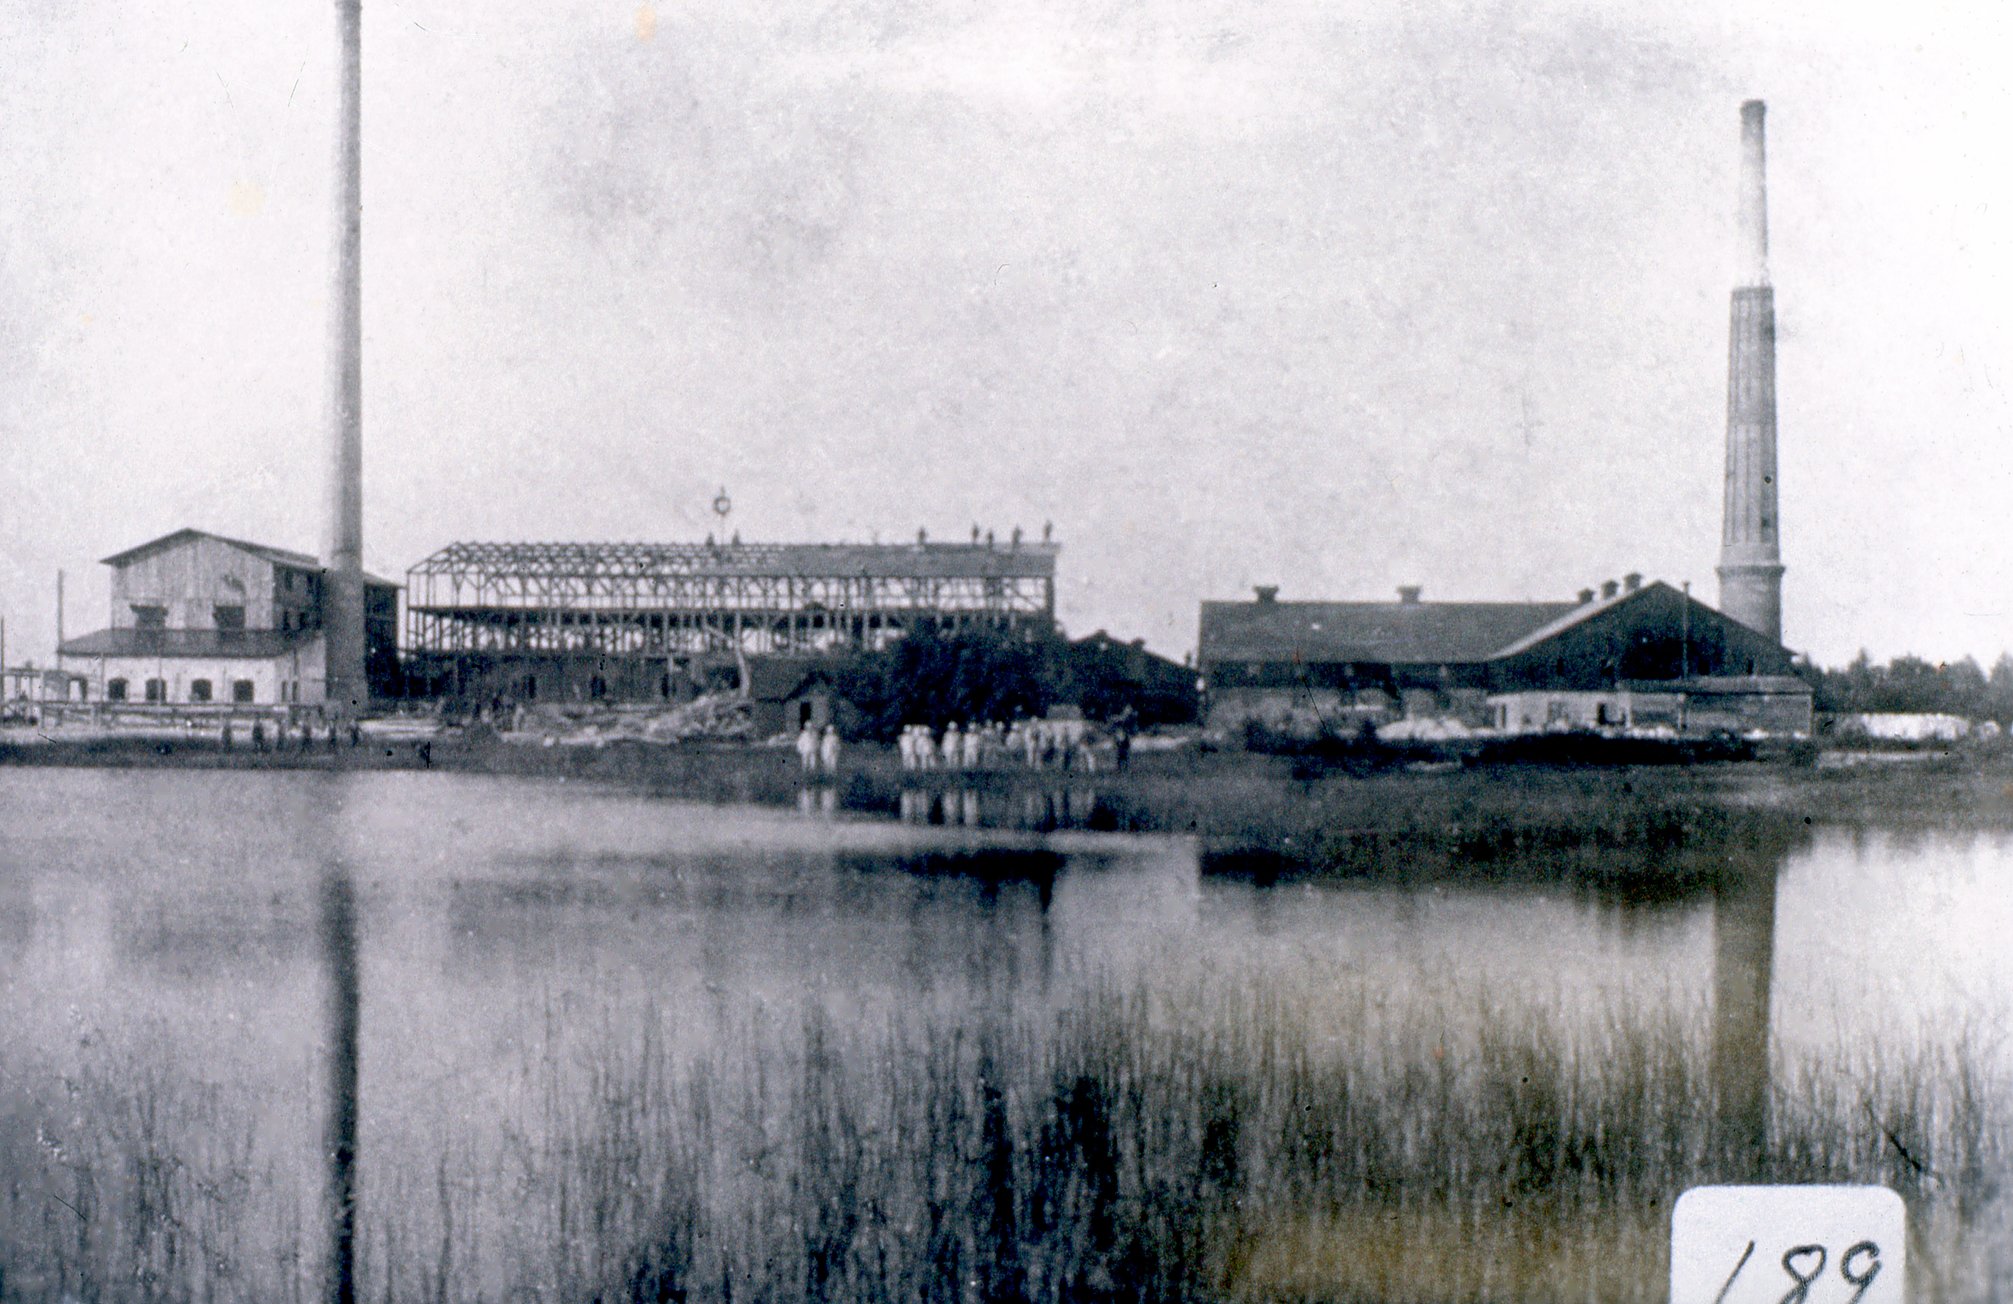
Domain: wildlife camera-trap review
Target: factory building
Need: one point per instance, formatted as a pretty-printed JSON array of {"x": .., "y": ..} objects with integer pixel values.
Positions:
[
  {"x": 1593, "y": 662},
  {"x": 201, "y": 620},
  {"x": 1629, "y": 657},
  {"x": 561, "y": 622}
]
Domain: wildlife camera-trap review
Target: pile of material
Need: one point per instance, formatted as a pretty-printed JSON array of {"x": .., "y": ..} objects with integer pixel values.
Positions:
[
  {"x": 717, "y": 717},
  {"x": 1423, "y": 729}
]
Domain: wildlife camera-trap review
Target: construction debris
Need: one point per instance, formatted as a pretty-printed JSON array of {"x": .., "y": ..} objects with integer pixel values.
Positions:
[{"x": 716, "y": 717}]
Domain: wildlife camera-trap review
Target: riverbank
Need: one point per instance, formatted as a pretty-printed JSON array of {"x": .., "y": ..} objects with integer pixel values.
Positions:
[{"x": 1255, "y": 814}]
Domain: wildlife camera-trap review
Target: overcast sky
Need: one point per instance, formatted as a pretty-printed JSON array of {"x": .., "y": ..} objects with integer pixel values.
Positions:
[{"x": 1336, "y": 296}]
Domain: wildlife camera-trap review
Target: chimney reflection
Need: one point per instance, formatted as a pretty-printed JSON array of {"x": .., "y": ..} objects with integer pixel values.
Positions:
[
  {"x": 340, "y": 1035},
  {"x": 1743, "y": 916}
]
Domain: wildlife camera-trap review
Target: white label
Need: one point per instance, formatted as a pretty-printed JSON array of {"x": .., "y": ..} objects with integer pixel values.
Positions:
[{"x": 1788, "y": 1245}]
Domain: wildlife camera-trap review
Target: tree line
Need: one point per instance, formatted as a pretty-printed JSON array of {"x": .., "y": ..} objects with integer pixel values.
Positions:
[
  {"x": 971, "y": 676},
  {"x": 1912, "y": 684}
]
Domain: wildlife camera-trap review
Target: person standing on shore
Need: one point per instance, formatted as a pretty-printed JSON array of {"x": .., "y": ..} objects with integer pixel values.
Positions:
[
  {"x": 807, "y": 748},
  {"x": 828, "y": 751}
]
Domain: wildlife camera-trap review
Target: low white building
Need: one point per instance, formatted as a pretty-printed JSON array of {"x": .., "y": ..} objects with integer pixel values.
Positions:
[
  {"x": 1905, "y": 727},
  {"x": 1776, "y": 705}
]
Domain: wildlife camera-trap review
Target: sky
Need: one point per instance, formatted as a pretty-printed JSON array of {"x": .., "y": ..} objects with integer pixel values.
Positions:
[{"x": 1333, "y": 296}]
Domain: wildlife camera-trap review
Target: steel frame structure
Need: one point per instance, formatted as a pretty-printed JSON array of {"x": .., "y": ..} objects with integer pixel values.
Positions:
[{"x": 650, "y": 600}]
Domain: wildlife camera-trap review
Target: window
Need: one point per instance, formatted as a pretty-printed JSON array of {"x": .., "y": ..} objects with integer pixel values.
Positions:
[
  {"x": 241, "y": 690},
  {"x": 148, "y": 617},
  {"x": 115, "y": 690},
  {"x": 231, "y": 619},
  {"x": 157, "y": 690},
  {"x": 199, "y": 691}
]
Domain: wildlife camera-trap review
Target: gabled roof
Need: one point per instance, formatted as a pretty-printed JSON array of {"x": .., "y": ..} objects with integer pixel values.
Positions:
[
  {"x": 281, "y": 556},
  {"x": 1579, "y": 614},
  {"x": 778, "y": 679},
  {"x": 1390, "y": 633},
  {"x": 278, "y": 556}
]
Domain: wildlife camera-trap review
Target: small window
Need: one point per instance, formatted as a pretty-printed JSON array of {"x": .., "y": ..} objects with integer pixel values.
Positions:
[
  {"x": 231, "y": 619},
  {"x": 241, "y": 690},
  {"x": 115, "y": 690},
  {"x": 199, "y": 691},
  {"x": 157, "y": 690},
  {"x": 288, "y": 579},
  {"x": 145, "y": 617}
]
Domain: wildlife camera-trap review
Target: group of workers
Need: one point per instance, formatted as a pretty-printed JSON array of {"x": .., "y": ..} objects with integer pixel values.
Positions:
[
  {"x": 302, "y": 733},
  {"x": 1039, "y": 744},
  {"x": 818, "y": 753}
]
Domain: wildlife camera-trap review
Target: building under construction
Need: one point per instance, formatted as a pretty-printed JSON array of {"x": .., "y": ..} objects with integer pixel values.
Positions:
[{"x": 661, "y": 621}]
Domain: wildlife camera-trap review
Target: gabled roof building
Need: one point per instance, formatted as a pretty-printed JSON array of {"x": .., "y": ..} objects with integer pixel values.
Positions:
[
  {"x": 1271, "y": 661},
  {"x": 201, "y": 619}
]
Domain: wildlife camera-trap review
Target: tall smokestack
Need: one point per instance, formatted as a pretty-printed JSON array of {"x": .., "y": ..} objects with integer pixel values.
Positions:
[
  {"x": 342, "y": 588},
  {"x": 1750, "y": 556}
]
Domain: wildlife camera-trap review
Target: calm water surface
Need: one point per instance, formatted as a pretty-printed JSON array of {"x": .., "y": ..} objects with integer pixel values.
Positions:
[
  {"x": 164, "y": 923},
  {"x": 189, "y": 898}
]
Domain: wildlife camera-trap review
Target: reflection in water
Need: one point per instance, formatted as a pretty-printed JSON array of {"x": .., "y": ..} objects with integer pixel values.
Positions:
[
  {"x": 1743, "y": 962},
  {"x": 342, "y": 1013},
  {"x": 534, "y": 943},
  {"x": 1037, "y": 810}
]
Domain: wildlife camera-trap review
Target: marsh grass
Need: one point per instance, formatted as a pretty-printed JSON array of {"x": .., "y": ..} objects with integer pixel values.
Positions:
[{"x": 1222, "y": 1139}]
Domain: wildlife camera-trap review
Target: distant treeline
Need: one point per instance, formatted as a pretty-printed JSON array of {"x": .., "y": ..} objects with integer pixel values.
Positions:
[{"x": 1914, "y": 685}]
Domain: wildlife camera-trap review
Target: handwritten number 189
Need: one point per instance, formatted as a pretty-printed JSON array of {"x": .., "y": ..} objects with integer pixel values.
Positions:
[{"x": 1797, "y": 1262}]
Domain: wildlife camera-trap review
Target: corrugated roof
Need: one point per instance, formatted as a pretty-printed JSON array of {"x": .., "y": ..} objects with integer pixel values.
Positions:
[
  {"x": 254, "y": 643},
  {"x": 777, "y": 560},
  {"x": 1395, "y": 633}
]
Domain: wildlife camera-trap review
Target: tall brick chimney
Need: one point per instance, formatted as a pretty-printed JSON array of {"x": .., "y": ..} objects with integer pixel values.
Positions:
[
  {"x": 1750, "y": 556},
  {"x": 342, "y": 551}
]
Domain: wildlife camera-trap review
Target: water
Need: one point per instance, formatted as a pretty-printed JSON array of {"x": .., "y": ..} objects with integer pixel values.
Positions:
[{"x": 159, "y": 932}]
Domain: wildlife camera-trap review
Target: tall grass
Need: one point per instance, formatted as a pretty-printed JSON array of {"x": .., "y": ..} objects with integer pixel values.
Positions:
[{"x": 1223, "y": 1139}]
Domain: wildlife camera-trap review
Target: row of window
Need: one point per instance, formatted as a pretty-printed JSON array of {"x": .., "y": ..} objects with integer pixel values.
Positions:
[
  {"x": 230, "y": 620},
  {"x": 156, "y": 690}
]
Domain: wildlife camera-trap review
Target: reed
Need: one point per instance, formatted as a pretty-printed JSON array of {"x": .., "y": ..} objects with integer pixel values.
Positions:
[{"x": 1223, "y": 1138}]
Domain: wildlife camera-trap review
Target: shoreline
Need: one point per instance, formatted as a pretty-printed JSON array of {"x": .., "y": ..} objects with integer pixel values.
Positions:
[{"x": 1292, "y": 815}]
